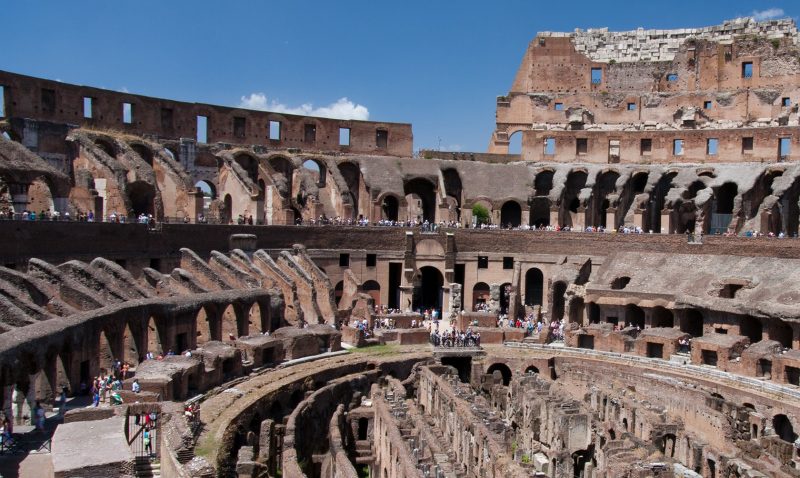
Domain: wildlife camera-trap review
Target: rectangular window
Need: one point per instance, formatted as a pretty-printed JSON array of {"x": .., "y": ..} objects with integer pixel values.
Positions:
[
  {"x": 239, "y": 126},
  {"x": 2, "y": 101},
  {"x": 672, "y": 77},
  {"x": 646, "y": 146},
  {"x": 581, "y": 146},
  {"x": 372, "y": 260},
  {"x": 127, "y": 113},
  {"x": 202, "y": 129},
  {"x": 559, "y": 106},
  {"x": 344, "y": 260},
  {"x": 631, "y": 106},
  {"x": 508, "y": 263},
  {"x": 712, "y": 145},
  {"x": 549, "y": 146},
  {"x": 747, "y": 145},
  {"x": 677, "y": 147},
  {"x": 747, "y": 69},
  {"x": 483, "y": 262},
  {"x": 706, "y": 105},
  {"x": 786, "y": 102},
  {"x": 275, "y": 130},
  {"x": 48, "y": 101},
  {"x": 87, "y": 107},
  {"x": 166, "y": 118},
  {"x": 613, "y": 151},
  {"x": 310, "y": 133},
  {"x": 382, "y": 138},
  {"x": 597, "y": 76},
  {"x": 344, "y": 136},
  {"x": 784, "y": 147}
]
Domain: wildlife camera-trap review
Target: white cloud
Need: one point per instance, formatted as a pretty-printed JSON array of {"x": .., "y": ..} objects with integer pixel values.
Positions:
[
  {"x": 342, "y": 108},
  {"x": 123, "y": 90},
  {"x": 453, "y": 147},
  {"x": 768, "y": 14}
]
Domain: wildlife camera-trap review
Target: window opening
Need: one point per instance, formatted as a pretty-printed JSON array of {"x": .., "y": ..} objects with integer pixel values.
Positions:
[
  {"x": 344, "y": 136},
  {"x": 202, "y": 129},
  {"x": 275, "y": 130}
]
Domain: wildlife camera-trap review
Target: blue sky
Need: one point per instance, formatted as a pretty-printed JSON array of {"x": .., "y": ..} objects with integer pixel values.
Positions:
[{"x": 436, "y": 64}]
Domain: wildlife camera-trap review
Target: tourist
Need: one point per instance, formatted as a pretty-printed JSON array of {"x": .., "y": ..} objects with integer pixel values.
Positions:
[{"x": 135, "y": 386}]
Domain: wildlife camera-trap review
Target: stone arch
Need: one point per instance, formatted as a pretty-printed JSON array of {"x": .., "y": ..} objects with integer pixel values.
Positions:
[
  {"x": 692, "y": 322},
  {"x": 480, "y": 294},
  {"x": 570, "y": 202},
  {"x": 352, "y": 177},
  {"x": 453, "y": 188},
  {"x": 634, "y": 316},
  {"x": 106, "y": 146},
  {"x": 227, "y": 210},
  {"x": 40, "y": 196},
  {"x": 229, "y": 323},
  {"x": 661, "y": 317},
  {"x": 593, "y": 312},
  {"x": 338, "y": 291},
  {"x": 142, "y": 196},
  {"x": 424, "y": 190},
  {"x": 783, "y": 428},
  {"x": 505, "y": 299},
  {"x": 255, "y": 318},
  {"x": 751, "y": 328},
  {"x": 373, "y": 289},
  {"x": 781, "y": 332},
  {"x": 144, "y": 152},
  {"x": 429, "y": 292},
  {"x": 510, "y": 214},
  {"x": 559, "y": 289},
  {"x": 503, "y": 369},
  {"x": 208, "y": 189},
  {"x": 534, "y": 286},
  {"x": 658, "y": 199},
  {"x": 531, "y": 369},
  {"x": 316, "y": 168},
  {"x": 105, "y": 353},
  {"x": 130, "y": 346},
  {"x": 249, "y": 163},
  {"x": 605, "y": 185},
  {"x": 390, "y": 208},
  {"x": 154, "y": 338},
  {"x": 515, "y": 142}
]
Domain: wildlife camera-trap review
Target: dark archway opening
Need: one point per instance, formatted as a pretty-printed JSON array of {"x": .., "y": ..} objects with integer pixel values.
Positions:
[
  {"x": 751, "y": 328},
  {"x": 783, "y": 428},
  {"x": 534, "y": 287},
  {"x": 661, "y": 317},
  {"x": 559, "y": 289},
  {"x": 634, "y": 316},
  {"x": 338, "y": 290},
  {"x": 144, "y": 152},
  {"x": 781, "y": 332},
  {"x": 373, "y": 289},
  {"x": 429, "y": 293},
  {"x": 510, "y": 214},
  {"x": 462, "y": 364},
  {"x": 390, "y": 208},
  {"x": 501, "y": 369},
  {"x": 142, "y": 196},
  {"x": 692, "y": 323},
  {"x": 249, "y": 164},
  {"x": 426, "y": 192},
  {"x": 480, "y": 294}
]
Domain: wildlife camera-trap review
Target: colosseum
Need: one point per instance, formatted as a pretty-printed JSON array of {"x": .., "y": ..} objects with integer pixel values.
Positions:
[{"x": 190, "y": 290}]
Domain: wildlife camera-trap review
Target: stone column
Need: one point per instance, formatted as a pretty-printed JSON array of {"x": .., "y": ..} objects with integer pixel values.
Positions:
[
  {"x": 187, "y": 153},
  {"x": 60, "y": 204},
  {"x": 579, "y": 218},
  {"x": 638, "y": 218},
  {"x": 611, "y": 214},
  {"x": 554, "y": 216}
]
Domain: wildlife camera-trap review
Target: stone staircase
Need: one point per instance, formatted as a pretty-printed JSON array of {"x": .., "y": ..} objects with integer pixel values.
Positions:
[{"x": 145, "y": 468}]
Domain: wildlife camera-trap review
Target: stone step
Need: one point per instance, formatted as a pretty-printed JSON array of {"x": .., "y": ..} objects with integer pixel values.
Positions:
[{"x": 683, "y": 359}]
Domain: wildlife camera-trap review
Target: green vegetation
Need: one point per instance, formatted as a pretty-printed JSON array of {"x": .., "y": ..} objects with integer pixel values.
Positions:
[{"x": 481, "y": 214}]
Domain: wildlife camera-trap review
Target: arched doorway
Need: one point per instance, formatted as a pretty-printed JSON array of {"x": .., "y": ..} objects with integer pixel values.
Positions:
[
  {"x": 534, "y": 287},
  {"x": 352, "y": 177},
  {"x": 249, "y": 164},
  {"x": 373, "y": 289},
  {"x": 634, "y": 316},
  {"x": 424, "y": 191},
  {"x": 230, "y": 323},
  {"x": 209, "y": 193},
  {"x": 227, "y": 210},
  {"x": 781, "y": 332},
  {"x": 142, "y": 196},
  {"x": 480, "y": 294},
  {"x": 559, "y": 289},
  {"x": 510, "y": 214},
  {"x": 751, "y": 328},
  {"x": 338, "y": 290},
  {"x": 783, "y": 428},
  {"x": 317, "y": 171},
  {"x": 428, "y": 295},
  {"x": 505, "y": 297},
  {"x": 661, "y": 317},
  {"x": 144, "y": 152},
  {"x": 389, "y": 208},
  {"x": 692, "y": 323},
  {"x": 503, "y": 370}
]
